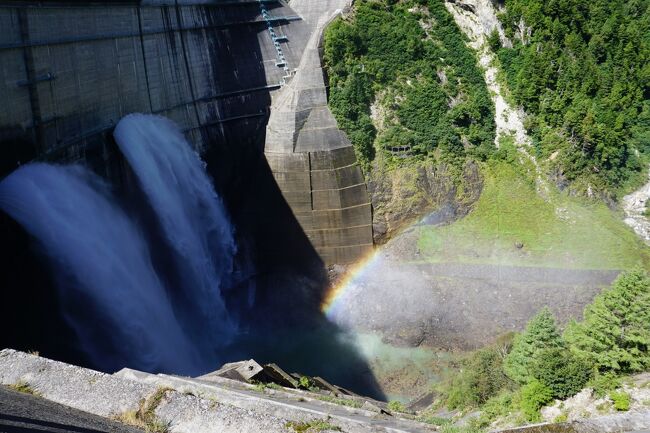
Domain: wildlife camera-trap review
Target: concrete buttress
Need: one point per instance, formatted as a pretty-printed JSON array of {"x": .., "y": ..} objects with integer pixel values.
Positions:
[{"x": 313, "y": 161}]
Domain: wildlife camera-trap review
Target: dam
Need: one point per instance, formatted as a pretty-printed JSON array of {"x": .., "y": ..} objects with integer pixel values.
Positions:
[
  {"x": 241, "y": 82},
  {"x": 242, "y": 78}
]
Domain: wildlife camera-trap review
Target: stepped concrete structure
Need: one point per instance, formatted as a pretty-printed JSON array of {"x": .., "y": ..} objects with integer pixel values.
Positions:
[
  {"x": 313, "y": 161},
  {"x": 195, "y": 405}
]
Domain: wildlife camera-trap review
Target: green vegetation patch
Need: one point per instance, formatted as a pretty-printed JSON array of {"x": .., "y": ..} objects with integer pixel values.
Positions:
[
  {"x": 581, "y": 70},
  {"x": 534, "y": 395},
  {"x": 514, "y": 225},
  {"x": 145, "y": 416},
  {"x": 615, "y": 334},
  {"x": 24, "y": 387},
  {"x": 314, "y": 425},
  {"x": 340, "y": 401},
  {"x": 621, "y": 400},
  {"x": 413, "y": 51},
  {"x": 544, "y": 365},
  {"x": 396, "y": 406}
]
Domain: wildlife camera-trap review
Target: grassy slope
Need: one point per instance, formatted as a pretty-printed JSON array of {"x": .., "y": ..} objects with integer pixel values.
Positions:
[{"x": 562, "y": 231}]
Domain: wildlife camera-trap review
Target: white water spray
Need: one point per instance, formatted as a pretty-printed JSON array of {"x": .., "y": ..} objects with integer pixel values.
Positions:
[
  {"x": 108, "y": 288},
  {"x": 190, "y": 213}
]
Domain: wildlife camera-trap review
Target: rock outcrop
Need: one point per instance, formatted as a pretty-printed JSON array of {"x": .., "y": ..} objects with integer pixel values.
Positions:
[
  {"x": 402, "y": 196},
  {"x": 634, "y": 206}
]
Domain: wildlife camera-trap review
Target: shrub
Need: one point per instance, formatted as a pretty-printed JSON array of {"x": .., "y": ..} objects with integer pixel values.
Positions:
[
  {"x": 562, "y": 372},
  {"x": 563, "y": 417},
  {"x": 24, "y": 387},
  {"x": 603, "y": 383},
  {"x": 314, "y": 425},
  {"x": 340, "y": 401},
  {"x": 615, "y": 333},
  {"x": 534, "y": 396},
  {"x": 621, "y": 400},
  {"x": 481, "y": 378},
  {"x": 396, "y": 406},
  {"x": 496, "y": 407},
  {"x": 305, "y": 382},
  {"x": 493, "y": 40},
  {"x": 145, "y": 416},
  {"x": 541, "y": 333},
  {"x": 433, "y": 420}
]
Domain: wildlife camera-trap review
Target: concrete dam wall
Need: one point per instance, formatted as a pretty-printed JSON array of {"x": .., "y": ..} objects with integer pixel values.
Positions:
[{"x": 71, "y": 70}]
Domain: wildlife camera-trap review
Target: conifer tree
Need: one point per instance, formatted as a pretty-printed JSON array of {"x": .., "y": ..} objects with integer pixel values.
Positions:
[
  {"x": 540, "y": 334},
  {"x": 615, "y": 333}
]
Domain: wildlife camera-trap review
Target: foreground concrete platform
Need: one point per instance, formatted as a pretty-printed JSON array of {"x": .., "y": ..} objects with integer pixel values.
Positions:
[
  {"x": 21, "y": 412},
  {"x": 214, "y": 404},
  {"x": 62, "y": 397}
]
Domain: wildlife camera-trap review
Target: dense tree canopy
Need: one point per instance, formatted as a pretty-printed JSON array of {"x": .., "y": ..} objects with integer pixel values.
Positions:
[
  {"x": 582, "y": 69},
  {"x": 541, "y": 334},
  {"x": 414, "y": 49},
  {"x": 615, "y": 333}
]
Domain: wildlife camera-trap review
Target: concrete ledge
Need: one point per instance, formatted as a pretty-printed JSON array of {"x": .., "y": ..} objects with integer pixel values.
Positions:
[
  {"x": 340, "y": 198},
  {"x": 342, "y": 237},
  {"x": 189, "y": 405},
  {"x": 332, "y": 159},
  {"x": 282, "y": 162},
  {"x": 88, "y": 390},
  {"x": 344, "y": 254},
  {"x": 337, "y": 178}
]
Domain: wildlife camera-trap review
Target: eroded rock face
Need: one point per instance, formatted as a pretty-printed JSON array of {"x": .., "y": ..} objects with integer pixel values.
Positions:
[
  {"x": 634, "y": 206},
  {"x": 401, "y": 196}
]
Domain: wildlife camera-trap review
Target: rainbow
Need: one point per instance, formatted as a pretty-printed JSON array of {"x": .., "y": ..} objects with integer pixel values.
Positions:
[{"x": 352, "y": 276}]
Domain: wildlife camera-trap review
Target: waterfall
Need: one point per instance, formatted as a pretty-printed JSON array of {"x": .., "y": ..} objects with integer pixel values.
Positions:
[
  {"x": 191, "y": 216},
  {"x": 109, "y": 291},
  {"x": 125, "y": 306}
]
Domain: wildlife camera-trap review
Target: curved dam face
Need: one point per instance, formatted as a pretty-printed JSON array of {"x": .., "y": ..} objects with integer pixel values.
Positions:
[
  {"x": 70, "y": 70},
  {"x": 214, "y": 68}
]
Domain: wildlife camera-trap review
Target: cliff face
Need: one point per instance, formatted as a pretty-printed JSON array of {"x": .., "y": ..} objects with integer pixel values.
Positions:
[{"x": 402, "y": 196}]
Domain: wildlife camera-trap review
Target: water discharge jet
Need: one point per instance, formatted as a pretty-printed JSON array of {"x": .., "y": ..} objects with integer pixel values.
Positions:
[
  {"x": 111, "y": 295},
  {"x": 191, "y": 216},
  {"x": 224, "y": 301}
]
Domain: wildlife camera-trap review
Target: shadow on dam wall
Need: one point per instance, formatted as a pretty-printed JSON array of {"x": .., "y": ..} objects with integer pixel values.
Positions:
[{"x": 208, "y": 68}]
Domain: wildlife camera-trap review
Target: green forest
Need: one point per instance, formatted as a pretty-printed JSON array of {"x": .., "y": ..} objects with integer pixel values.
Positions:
[
  {"x": 520, "y": 373},
  {"x": 581, "y": 70},
  {"x": 414, "y": 50}
]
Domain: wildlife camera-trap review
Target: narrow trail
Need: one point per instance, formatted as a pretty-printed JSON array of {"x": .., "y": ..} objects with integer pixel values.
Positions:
[{"x": 478, "y": 19}]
